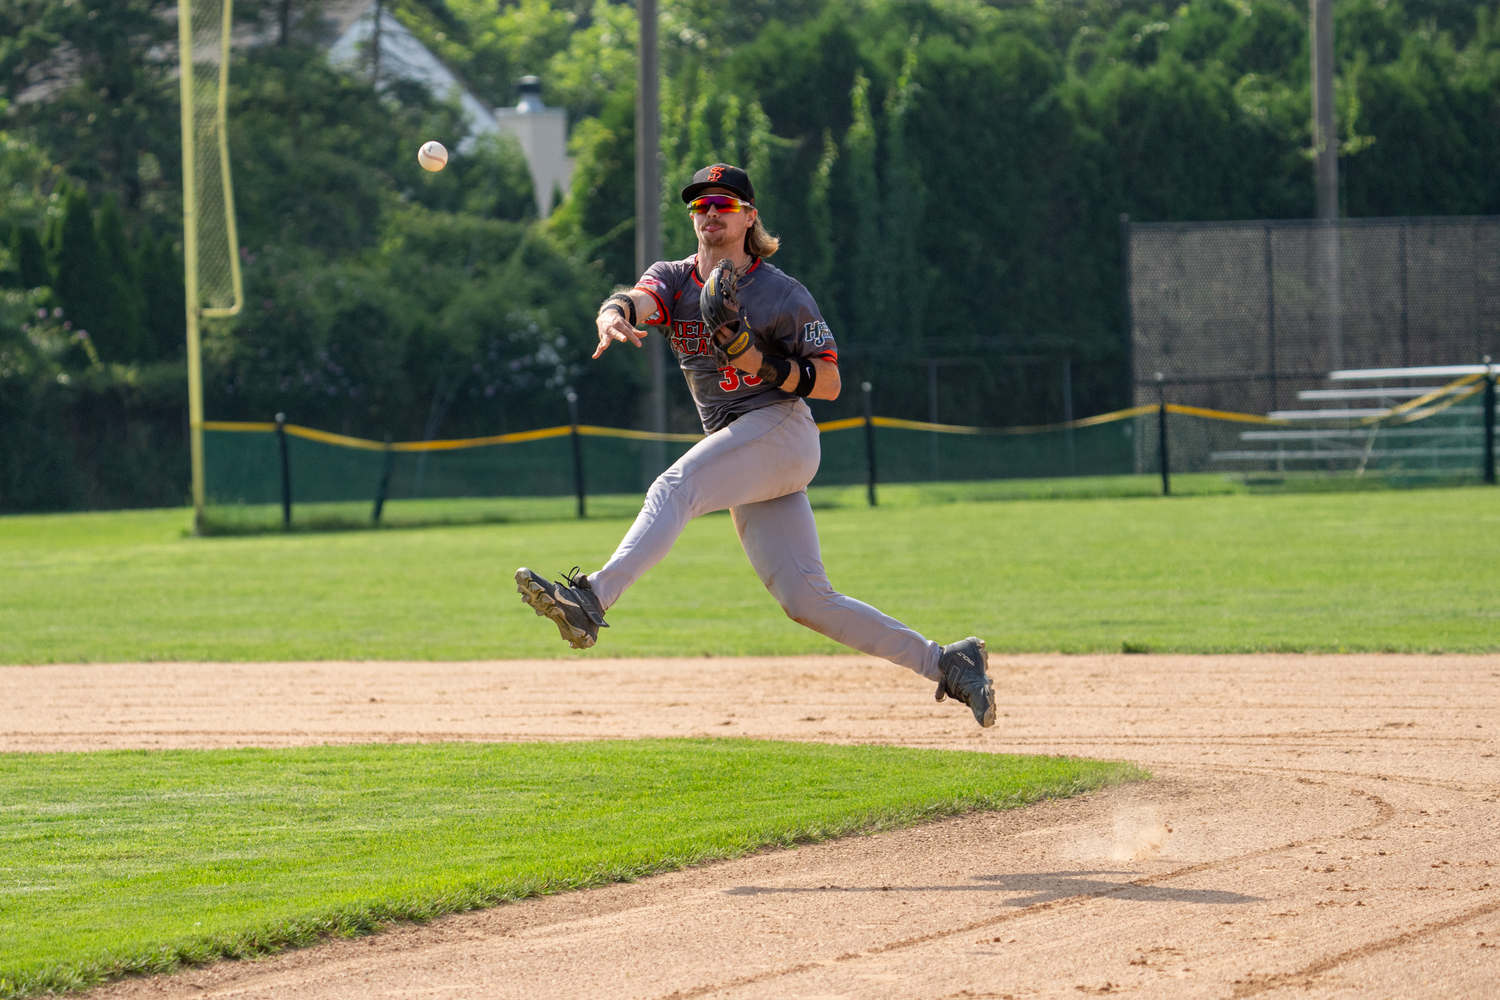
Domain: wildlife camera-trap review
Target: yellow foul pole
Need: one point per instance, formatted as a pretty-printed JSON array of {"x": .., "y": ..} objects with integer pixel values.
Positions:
[
  {"x": 206, "y": 238},
  {"x": 221, "y": 136}
]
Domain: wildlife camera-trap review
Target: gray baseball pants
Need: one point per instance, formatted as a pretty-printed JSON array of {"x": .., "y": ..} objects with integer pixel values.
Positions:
[{"x": 758, "y": 468}]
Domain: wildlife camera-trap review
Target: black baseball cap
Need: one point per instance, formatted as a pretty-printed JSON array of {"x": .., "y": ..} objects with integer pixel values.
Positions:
[{"x": 724, "y": 176}]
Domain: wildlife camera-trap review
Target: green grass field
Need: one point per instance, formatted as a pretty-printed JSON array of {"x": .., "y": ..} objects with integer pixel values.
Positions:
[
  {"x": 123, "y": 862},
  {"x": 1387, "y": 570}
]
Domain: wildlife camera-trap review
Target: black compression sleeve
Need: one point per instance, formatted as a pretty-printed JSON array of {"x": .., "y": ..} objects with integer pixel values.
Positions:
[
  {"x": 775, "y": 369},
  {"x": 807, "y": 377},
  {"x": 625, "y": 302}
]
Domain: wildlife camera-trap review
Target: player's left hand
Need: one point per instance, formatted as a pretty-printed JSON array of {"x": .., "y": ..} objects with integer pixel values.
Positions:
[{"x": 748, "y": 360}]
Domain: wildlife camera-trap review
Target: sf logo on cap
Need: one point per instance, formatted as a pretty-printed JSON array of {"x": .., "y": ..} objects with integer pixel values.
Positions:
[{"x": 714, "y": 173}]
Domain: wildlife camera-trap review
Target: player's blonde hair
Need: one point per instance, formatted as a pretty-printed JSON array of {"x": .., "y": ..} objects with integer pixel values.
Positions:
[{"x": 759, "y": 242}]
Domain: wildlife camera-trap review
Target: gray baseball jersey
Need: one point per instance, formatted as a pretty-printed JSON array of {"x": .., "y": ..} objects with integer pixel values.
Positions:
[{"x": 781, "y": 311}]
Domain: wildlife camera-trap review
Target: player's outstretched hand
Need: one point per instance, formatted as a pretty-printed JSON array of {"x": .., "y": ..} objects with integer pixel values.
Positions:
[{"x": 613, "y": 327}]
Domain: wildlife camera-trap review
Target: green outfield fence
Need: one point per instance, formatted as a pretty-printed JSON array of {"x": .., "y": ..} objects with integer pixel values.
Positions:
[{"x": 279, "y": 462}]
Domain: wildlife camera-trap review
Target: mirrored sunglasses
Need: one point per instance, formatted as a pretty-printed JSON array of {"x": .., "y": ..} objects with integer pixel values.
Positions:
[{"x": 722, "y": 202}]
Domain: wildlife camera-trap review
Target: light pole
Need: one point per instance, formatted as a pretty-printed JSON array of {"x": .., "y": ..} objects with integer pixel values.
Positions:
[
  {"x": 1326, "y": 146},
  {"x": 648, "y": 214}
]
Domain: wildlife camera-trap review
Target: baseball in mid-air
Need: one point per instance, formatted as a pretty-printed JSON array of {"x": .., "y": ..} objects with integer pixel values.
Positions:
[{"x": 432, "y": 156}]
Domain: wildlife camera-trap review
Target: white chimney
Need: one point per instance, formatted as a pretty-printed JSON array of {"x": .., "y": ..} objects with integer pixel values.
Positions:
[{"x": 543, "y": 135}]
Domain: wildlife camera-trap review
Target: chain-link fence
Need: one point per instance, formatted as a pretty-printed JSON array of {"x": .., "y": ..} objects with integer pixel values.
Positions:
[
  {"x": 266, "y": 465},
  {"x": 1256, "y": 316},
  {"x": 1243, "y": 315},
  {"x": 256, "y": 465},
  {"x": 244, "y": 466},
  {"x": 245, "y": 461}
]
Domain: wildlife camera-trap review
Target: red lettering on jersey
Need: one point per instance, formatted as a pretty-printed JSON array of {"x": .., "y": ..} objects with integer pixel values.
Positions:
[
  {"x": 734, "y": 378},
  {"x": 687, "y": 338}
]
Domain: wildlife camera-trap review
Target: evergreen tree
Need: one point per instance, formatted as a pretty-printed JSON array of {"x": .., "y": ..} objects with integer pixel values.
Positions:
[
  {"x": 818, "y": 273},
  {"x": 729, "y": 132},
  {"x": 96, "y": 294},
  {"x": 819, "y": 270},
  {"x": 165, "y": 305},
  {"x": 678, "y": 237},
  {"x": 864, "y": 260},
  {"x": 29, "y": 258},
  {"x": 904, "y": 283},
  {"x": 127, "y": 305},
  {"x": 83, "y": 271},
  {"x": 758, "y": 155}
]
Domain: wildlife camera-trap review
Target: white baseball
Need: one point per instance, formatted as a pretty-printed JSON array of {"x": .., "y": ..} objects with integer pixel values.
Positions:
[{"x": 432, "y": 156}]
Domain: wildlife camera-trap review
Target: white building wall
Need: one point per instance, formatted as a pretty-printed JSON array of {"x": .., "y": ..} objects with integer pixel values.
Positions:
[
  {"x": 543, "y": 135},
  {"x": 404, "y": 57}
]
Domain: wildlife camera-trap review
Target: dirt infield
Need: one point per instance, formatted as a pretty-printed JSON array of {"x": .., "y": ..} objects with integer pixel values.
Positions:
[{"x": 1319, "y": 827}]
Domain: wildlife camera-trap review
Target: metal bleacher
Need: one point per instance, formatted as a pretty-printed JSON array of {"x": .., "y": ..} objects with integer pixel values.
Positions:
[{"x": 1433, "y": 428}]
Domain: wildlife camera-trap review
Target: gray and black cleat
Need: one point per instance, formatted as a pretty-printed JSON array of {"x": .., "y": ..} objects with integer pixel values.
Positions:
[
  {"x": 573, "y": 607},
  {"x": 966, "y": 679}
]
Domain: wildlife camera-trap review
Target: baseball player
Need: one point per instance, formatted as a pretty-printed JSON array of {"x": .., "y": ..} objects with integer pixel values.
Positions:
[{"x": 752, "y": 346}]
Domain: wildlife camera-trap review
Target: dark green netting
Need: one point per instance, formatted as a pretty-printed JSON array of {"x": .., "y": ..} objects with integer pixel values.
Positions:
[
  {"x": 907, "y": 456},
  {"x": 240, "y": 467},
  {"x": 245, "y": 468}
]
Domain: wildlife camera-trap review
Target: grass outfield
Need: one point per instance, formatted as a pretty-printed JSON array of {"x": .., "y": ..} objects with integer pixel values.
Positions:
[
  {"x": 1387, "y": 570},
  {"x": 124, "y": 862}
]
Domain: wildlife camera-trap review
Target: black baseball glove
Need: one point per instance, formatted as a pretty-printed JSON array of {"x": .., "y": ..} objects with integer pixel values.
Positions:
[{"x": 720, "y": 307}]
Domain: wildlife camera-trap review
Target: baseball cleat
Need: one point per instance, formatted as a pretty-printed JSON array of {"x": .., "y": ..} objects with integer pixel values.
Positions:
[
  {"x": 966, "y": 679},
  {"x": 573, "y": 607}
]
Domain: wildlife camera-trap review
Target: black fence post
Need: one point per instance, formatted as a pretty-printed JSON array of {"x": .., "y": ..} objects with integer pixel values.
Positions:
[
  {"x": 1161, "y": 436},
  {"x": 1127, "y": 334},
  {"x": 1489, "y": 423},
  {"x": 868, "y": 390},
  {"x": 384, "y": 489},
  {"x": 286, "y": 474},
  {"x": 572, "y": 398},
  {"x": 1067, "y": 387}
]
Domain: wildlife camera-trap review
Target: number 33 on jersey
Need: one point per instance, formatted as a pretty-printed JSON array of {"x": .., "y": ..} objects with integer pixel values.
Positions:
[{"x": 734, "y": 378}]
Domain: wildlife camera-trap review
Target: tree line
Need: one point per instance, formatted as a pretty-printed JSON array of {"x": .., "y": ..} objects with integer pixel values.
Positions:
[{"x": 947, "y": 177}]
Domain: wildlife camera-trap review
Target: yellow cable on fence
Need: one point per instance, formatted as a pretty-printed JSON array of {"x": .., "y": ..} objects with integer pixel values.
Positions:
[
  {"x": 1457, "y": 397},
  {"x": 237, "y": 425},
  {"x": 619, "y": 432},
  {"x": 342, "y": 440},
  {"x": 1406, "y": 409},
  {"x": 844, "y": 424},
  {"x": 827, "y": 427},
  {"x": 1230, "y": 415},
  {"x": 1103, "y": 418},
  {"x": 518, "y": 437}
]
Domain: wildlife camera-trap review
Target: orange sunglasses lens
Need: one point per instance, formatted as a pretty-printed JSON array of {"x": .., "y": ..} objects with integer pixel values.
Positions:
[{"x": 724, "y": 203}]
